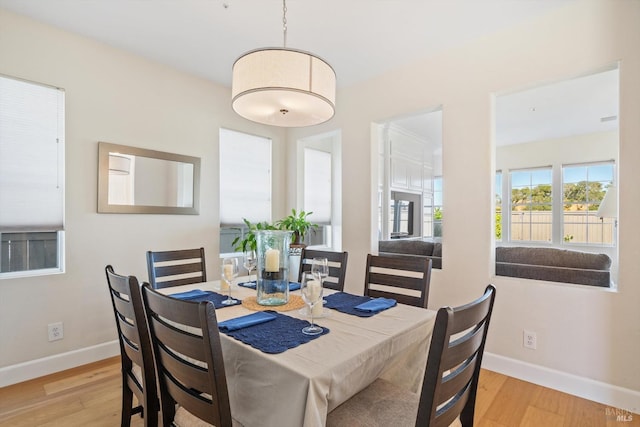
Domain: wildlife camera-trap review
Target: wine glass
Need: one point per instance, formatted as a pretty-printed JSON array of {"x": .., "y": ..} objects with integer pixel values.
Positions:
[
  {"x": 250, "y": 261},
  {"x": 311, "y": 290},
  {"x": 229, "y": 272},
  {"x": 320, "y": 269}
]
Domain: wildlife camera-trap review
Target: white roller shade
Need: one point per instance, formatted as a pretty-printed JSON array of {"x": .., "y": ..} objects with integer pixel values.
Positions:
[
  {"x": 245, "y": 178},
  {"x": 31, "y": 156},
  {"x": 317, "y": 185}
]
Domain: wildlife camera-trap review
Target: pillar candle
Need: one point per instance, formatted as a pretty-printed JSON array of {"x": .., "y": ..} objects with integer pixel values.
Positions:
[{"x": 272, "y": 261}]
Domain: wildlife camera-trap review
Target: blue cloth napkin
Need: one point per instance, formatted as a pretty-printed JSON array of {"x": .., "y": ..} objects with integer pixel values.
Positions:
[
  {"x": 251, "y": 285},
  {"x": 293, "y": 286},
  {"x": 246, "y": 321},
  {"x": 275, "y": 336},
  {"x": 376, "y": 305},
  {"x": 347, "y": 303},
  {"x": 195, "y": 293},
  {"x": 198, "y": 295}
]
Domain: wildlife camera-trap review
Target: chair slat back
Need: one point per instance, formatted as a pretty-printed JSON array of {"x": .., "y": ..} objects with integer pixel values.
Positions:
[
  {"x": 337, "y": 266},
  {"x": 386, "y": 275},
  {"x": 453, "y": 365},
  {"x": 188, "y": 356},
  {"x": 176, "y": 268},
  {"x": 135, "y": 344}
]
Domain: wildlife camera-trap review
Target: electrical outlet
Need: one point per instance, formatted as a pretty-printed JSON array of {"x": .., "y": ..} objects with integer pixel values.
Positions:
[
  {"x": 56, "y": 331},
  {"x": 530, "y": 340}
]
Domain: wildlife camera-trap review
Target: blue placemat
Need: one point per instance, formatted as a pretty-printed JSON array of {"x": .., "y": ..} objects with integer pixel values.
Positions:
[
  {"x": 293, "y": 286},
  {"x": 275, "y": 336},
  {"x": 346, "y": 303},
  {"x": 198, "y": 295}
]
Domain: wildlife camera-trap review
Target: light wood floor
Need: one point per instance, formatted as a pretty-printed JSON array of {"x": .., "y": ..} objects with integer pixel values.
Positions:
[{"x": 90, "y": 396}]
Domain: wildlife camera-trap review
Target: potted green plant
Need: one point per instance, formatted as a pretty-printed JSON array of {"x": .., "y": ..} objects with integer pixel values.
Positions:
[
  {"x": 248, "y": 241},
  {"x": 298, "y": 223}
]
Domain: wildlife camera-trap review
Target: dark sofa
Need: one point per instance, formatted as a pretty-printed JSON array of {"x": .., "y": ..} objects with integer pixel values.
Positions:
[
  {"x": 555, "y": 265},
  {"x": 416, "y": 247},
  {"x": 550, "y": 264}
]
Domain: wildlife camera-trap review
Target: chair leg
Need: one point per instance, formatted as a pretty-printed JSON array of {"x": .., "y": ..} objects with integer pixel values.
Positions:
[
  {"x": 127, "y": 405},
  {"x": 150, "y": 414}
]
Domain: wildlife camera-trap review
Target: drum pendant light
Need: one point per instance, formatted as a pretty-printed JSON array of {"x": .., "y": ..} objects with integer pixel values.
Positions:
[{"x": 283, "y": 87}]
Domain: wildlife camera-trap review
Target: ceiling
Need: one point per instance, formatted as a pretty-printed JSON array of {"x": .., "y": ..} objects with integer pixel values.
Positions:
[{"x": 359, "y": 38}]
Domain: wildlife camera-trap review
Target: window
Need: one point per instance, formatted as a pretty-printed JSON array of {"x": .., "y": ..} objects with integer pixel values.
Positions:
[
  {"x": 557, "y": 146},
  {"x": 584, "y": 187},
  {"x": 31, "y": 178},
  {"x": 245, "y": 183},
  {"x": 531, "y": 209},
  {"x": 437, "y": 206},
  {"x": 498, "y": 201},
  {"x": 432, "y": 209},
  {"x": 317, "y": 195}
]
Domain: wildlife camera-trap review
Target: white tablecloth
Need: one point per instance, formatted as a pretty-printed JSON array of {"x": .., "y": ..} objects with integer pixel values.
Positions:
[{"x": 300, "y": 386}]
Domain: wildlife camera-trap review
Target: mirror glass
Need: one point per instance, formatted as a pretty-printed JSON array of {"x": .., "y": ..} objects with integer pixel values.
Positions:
[{"x": 136, "y": 180}]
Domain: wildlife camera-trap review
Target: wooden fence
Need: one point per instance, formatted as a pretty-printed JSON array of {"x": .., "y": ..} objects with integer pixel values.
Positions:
[{"x": 578, "y": 228}]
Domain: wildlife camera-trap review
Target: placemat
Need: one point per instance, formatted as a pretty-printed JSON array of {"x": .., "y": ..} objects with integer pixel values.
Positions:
[
  {"x": 295, "y": 302},
  {"x": 198, "y": 295},
  {"x": 346, "y": 303},
  {"x": 275, "y": 336}
]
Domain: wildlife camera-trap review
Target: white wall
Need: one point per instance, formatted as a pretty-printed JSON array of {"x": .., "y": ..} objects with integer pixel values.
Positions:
[
  {"x": 120, "y": 98},
  {"x": 583, "y": 333}
]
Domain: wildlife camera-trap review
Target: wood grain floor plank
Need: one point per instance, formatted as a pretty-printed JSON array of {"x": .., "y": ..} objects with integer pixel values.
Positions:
[
  {"x": 511, "y": 402},
  {"x": 536, "y": 417},
  {"x": 489, "y": 386},
  {"x": 82, "y": 379}
]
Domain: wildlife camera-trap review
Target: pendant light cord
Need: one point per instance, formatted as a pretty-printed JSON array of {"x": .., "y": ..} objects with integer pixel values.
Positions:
[{"x": 284, "y": 22}]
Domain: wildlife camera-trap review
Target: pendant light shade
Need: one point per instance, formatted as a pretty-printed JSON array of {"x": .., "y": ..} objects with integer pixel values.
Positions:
[{"x": 283, "y": 87}]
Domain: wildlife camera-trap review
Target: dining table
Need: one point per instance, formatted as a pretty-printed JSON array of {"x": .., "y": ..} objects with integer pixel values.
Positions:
[{"x": 300, "y": 386}]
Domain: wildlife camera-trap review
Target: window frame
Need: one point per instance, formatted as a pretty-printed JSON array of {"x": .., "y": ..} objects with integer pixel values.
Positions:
[
  {"x": 602, "y": 223},
  {"x": 531, "y": 204}
]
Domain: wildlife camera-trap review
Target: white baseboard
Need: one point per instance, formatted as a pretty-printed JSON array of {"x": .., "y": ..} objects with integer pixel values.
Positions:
[
  {"x": 607, "y": 394},
  {"x": 48, "y": 365}
]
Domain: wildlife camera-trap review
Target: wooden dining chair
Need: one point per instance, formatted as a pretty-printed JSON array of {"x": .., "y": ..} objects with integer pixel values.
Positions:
[
  {"x": 188, "y": 357},
  {"x": 176, "y": 268},
  {"x": 337, "y": 266},
  {"x": 402, "y": 277},
  {"x": 138, "y": 375},
  {"x": 450, "y": 383}
]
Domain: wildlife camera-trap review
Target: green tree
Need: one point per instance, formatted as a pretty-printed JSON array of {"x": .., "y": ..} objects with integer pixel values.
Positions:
[
  {"x": 538, "y": 198},
  {"x": 583, "y": 194},
  {"x": 437, "y": 214}
]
